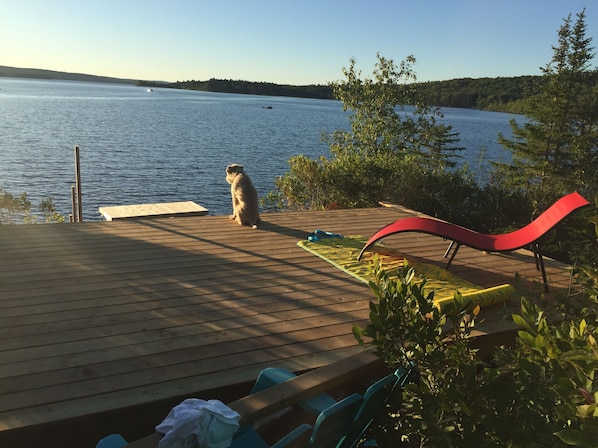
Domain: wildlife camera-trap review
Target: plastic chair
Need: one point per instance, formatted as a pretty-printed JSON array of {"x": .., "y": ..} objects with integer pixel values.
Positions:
[
  {"x": 330, "y": 429},
  {"x": 112, "y": 441},
  {"x": 245, "y": 438},
  {"x": 526, "y": 236},
  {"x": 333, "y": 424},
  {"x": 373, "y": 401},
  {"x": 249, "y": 438},
  {"x": 271, "y": 376}
]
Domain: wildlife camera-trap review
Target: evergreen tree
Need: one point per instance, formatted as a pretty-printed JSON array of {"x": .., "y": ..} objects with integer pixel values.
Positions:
[{"x": 556, "y": 150}]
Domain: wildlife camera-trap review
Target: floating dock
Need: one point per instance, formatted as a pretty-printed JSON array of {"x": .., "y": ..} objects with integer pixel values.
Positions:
[{"x": 167, "y": 209}]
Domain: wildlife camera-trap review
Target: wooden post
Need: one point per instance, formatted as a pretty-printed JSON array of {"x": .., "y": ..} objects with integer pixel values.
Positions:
[
  {"x": 79, "y": 217},
  {"x": 73, "y": 216}
]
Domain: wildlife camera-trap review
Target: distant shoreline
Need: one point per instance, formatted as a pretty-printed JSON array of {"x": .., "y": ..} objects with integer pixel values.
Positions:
[
  {"x": 35, "y": 73},
  {"x": 212, "y": 85},
  {"x": 490, "y": 94}
]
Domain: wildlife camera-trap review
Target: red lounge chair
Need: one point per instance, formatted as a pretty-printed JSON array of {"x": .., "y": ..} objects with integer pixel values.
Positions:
[{"x": 526, "y": 236}]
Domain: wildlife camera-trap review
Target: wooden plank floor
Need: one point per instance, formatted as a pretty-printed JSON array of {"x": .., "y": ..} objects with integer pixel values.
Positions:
[{"x": 96, "y": 317}]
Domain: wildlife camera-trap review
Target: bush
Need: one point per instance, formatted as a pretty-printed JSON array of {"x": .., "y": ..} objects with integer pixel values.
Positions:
[
  {"x": 15, "y": 209},
  {"x": 540, "y": 393}
]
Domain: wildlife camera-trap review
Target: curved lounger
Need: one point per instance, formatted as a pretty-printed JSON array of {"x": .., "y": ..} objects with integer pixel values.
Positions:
[{"x": 526, "y": 236}]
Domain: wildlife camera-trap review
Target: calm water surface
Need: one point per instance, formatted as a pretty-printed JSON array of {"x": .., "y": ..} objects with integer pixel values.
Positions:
[{"x": 171, "y": 145}]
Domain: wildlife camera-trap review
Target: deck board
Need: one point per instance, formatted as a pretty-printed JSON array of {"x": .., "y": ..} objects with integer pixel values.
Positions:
[{"x": 101, "y": 316}]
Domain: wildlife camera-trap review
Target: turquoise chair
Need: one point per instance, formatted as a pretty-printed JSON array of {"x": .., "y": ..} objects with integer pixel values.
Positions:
[
  {"x": 112, "y": 441},
  {"x": 374, "y": 400},
  {"x": 339, "y": 424},
  {"x": 333, "y": 424},
  {"x": 248, "y": 438},
  {"x": 329, "y": 430},
  {"x": 271, "y": 376}
]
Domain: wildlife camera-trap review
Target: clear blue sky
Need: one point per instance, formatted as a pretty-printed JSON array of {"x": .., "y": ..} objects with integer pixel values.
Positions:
[{"x": 283, "y": 41}]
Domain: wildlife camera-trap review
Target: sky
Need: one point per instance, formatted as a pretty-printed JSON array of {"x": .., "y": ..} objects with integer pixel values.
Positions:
[{"x": 284, "y": 41}]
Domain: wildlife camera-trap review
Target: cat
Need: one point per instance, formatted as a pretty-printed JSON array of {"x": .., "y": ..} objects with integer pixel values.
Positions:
[{"x": 244, "y": 196}]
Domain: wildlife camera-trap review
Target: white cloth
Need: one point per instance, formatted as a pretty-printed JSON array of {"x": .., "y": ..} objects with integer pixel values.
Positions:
[{"x": 199, "y": 423}]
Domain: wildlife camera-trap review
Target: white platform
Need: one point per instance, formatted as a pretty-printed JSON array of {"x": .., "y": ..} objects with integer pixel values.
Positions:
[{"x": 166, "y": 209}]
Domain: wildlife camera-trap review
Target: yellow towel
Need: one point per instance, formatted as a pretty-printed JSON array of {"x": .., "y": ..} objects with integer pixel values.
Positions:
[{"x": 343, "y": 252}]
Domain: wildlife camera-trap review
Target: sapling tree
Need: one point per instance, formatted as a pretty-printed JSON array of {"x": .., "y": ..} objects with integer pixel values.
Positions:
[
  {"x": 395, "y": 143},
  {"x": 14, "y": 209}
]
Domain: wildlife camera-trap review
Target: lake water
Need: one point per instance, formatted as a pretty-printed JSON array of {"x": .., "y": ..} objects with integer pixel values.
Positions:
[{"x": 172, "y": 145}]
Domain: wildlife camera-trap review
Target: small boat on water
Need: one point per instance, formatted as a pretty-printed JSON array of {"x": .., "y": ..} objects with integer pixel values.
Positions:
[{"x": 150, "y": 90}]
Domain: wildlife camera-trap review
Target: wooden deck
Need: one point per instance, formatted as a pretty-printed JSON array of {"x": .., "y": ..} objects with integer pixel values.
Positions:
[{"x": 100, "y": 319}]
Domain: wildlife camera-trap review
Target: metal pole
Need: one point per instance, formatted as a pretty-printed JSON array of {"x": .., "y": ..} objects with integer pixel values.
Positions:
[{"x": 78, "y": 183}]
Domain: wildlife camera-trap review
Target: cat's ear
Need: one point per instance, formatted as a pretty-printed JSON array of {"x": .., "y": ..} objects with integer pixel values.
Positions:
[{"x": 234, "y": 168}]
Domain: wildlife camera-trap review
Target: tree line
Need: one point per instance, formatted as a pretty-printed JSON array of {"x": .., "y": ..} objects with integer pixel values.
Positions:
[
  {"x": 504, "y": 94},
  {"x": 256, "y": 88},
  {"x": 35, "y": 73},
  {"x": 496, "y": 94}
]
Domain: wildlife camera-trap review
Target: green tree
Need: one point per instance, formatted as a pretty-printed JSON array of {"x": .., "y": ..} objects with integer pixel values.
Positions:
[
  {"x": 48, "y": 210},
  {"x": 439, "y": 149},
  {"x": 11, "y": 207},
  {"x": 393, "y": 151},
  {"x": 15, "y": 209},
  {"x": 388, "y": 116},
  {"x": 556, "y": 150}
]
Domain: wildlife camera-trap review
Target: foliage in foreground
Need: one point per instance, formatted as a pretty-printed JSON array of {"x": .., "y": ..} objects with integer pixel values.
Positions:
[{"x": 540, "y": 393}]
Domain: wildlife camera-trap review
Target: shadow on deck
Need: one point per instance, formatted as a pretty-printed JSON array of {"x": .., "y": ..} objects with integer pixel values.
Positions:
[{"x": 105, "y": 326}]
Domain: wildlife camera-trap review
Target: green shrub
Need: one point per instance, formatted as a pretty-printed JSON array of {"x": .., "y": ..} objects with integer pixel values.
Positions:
[
  {"x": 540, "y": 393},
  {"x": 15, "y": 209}
]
